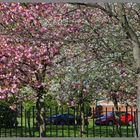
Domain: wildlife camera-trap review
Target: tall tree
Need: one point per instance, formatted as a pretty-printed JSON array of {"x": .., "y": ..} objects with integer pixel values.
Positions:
[
  {"x": 30, "y": 39},
  {"x": 126, "y": 15}
]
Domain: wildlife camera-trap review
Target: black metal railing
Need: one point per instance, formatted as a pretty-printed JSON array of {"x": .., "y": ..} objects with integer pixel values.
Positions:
[{"x": 67, "y": 122}]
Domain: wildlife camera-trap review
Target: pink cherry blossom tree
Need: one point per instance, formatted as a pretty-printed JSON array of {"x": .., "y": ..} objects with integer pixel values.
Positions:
[{"x": 31, "y": 36}]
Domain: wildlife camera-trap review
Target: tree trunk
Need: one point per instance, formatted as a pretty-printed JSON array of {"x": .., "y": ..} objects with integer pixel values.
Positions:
[
  {"x": 75, "y": 114},
  {"x": 40, "y": 115},
  {"x": 82, "y": 127},
  {"x": 82, "y": 123},
  {"x": 29, "y": 123},
  {"x": 136, "y": 54},
  {"x": 116, "y": 107}
]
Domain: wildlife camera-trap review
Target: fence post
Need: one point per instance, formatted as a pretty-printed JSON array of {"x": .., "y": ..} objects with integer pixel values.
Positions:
[
  {"x": 56, "y": 111},
  {"x": 120, "y": 123},
  {"x": 21, "y": 121},
  {"x": 86, "y": 119},
  {"x": 68, "y": 124},
  {"x": 33, "y": 109},
  {"x": 25, "y": 120},
  {"x": 106, "y": 123},
  {"x": 93, "y": 122},
  {"x": 138, "y": 121},
  {"x": 126, "y": 120},
  {"x": 75, "y": 119},
  {"x": 135, "y": 123},
  {"x": 50, "y": 121},
  {"x": 29, "y": 123},
  {"x": 132, "y": 122}
]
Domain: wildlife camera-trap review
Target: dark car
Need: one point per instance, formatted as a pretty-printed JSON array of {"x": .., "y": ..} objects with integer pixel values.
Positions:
[
  {"x": 65, "y": 119},
  {"x": 109, "y": 118},
  {"x": 106, "y": 119}
]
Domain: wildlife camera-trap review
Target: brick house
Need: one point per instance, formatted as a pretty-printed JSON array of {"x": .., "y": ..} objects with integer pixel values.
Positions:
[{"x": 104, "y": 106}]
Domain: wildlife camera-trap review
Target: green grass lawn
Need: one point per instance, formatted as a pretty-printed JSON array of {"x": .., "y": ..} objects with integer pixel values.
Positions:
[{"x": 66, "y": 131}]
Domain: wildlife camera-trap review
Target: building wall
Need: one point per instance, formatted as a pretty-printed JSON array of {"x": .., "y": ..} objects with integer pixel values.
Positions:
[{"x": 108, "y": 106}]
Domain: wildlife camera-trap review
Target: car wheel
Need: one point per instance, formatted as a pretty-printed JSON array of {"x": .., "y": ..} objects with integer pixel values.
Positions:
[
  {"x": 130, "y": 123},
  {"x": 110, "y": 123}
]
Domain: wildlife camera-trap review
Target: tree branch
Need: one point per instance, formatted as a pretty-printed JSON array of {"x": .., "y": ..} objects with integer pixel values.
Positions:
[
  {"x": 128, "y": 29},
  {"x": 95, "y": 5}
]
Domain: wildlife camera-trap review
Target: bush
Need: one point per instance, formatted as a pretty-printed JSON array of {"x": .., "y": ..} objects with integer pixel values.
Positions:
[{"x": 8, "y": 117}]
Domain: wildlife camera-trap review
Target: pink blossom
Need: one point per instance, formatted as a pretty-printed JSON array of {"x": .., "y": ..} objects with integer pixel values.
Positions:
[{"x": 43, "y": 29}]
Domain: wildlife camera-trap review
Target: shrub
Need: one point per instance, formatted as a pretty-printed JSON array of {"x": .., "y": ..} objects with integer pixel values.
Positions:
[{"x": 8, "y": 117}]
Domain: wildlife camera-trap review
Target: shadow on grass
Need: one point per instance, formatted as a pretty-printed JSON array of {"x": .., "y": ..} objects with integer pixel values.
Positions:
[{"x": 67, "y": 131}]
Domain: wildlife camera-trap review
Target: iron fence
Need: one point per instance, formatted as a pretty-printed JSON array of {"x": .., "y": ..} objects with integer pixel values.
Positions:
[{"x": 71, "y": 122}]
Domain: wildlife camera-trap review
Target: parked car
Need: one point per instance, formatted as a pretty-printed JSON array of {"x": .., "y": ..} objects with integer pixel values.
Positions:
[
  {"x": 106, "y": 119},
  {"x": 65, "y": 119},
  {"x": 95, "y": 115},
  {"x": 126, "y": 118},
  {"x": 110, "y": 119}
]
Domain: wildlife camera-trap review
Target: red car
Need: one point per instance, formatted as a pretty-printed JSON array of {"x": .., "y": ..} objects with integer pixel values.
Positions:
[
  {"x": 110, "y": 119},
  {"x": 125, "y": 118}
]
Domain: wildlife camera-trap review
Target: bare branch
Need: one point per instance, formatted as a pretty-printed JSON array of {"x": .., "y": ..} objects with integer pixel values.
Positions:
[{"x": 96, "y": 5}]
